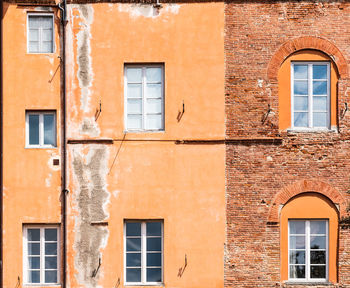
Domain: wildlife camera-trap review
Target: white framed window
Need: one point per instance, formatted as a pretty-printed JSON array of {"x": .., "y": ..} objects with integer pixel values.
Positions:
[
  {"x": 310, "y": 84},
  {"x": 143, "y": 251},
  {"x": 40, "y": 33},
  {"x": 40, "y": 129},
  {"x": 41, "y": 255},
  {"x": 308, "y": 250},
  {"x": 144, "y": 97}
]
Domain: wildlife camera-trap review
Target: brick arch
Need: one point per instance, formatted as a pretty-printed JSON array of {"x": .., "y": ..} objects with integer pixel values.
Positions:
[
  {"x": 303, "y": 186},
  {"x": 303, "y": 43}
]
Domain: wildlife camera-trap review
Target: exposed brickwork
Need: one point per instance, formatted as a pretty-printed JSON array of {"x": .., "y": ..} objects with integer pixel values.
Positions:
[{"x": 259, "y": 35}]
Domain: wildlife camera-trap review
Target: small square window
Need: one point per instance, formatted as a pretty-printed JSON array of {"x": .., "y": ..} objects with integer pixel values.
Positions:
[
  {"x": 144, "y": 97},
  {"x": 143, "y": 252},
  {"x": 40, "y": 33},
  {"x": 40, "y": 129},
  {"x": 41, "y": 255}
]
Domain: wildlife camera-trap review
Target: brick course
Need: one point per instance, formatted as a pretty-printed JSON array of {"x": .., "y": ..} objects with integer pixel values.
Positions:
[{"x": 259, "y": 36}]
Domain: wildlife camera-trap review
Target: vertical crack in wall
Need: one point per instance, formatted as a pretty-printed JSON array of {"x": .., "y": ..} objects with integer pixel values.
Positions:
[{"x": 91, "y": 196}]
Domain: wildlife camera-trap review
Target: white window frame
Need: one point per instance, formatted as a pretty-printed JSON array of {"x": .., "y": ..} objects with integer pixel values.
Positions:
[
  {"x": 41, "y": 129},
  {"x": 144, "y": 254},
  {"x": 310, "y": 96},
  {"x": 42, "y": 254},
  {"x": 307, "y": 252},
  {"x": 53, "y": 32},
  {"x": 144, "y": 98}
]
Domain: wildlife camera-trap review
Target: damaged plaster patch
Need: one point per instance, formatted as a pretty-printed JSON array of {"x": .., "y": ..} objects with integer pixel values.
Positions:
[
  {"x": 85, "y": 74},
  {"x": 89, "y": 127},
  {"x": 148, "y": 11},
  {"x": 48, "y": 180},
  {"x": 91, "y": 197}
]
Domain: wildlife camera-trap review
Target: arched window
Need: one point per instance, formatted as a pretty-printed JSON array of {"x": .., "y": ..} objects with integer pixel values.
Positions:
[
  {"x": 307, "y": 83},
  {"x": 309, "y": 239}
]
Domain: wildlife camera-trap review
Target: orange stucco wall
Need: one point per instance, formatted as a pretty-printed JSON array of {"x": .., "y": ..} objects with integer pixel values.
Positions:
[
  {"x": 284, "y": 86},
  {"x": 311, "y": 206},
  {"x": 32, "y": 184},
  {"x": 154, "y": 178}
]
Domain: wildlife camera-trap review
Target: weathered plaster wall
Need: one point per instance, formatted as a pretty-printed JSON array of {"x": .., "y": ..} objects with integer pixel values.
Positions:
[
  {"x": 32, "y": 183},
  {"x": 146, "y": 176}
]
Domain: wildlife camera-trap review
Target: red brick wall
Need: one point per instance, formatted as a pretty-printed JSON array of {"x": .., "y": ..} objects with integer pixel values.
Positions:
[{"x": 256, "y": 171}]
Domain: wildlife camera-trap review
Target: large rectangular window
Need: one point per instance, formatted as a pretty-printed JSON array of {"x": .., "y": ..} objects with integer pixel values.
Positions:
[
  {"x": 143, "y": 252},
  {"x": 41, "y": 255},
  {"x": 308, "y": 250},
  {"x": 311, "y": 95},
  {"x": 40, "y": 33},
  {"x": 40, "y": 129},
  {"x": 144, "y": 97}
]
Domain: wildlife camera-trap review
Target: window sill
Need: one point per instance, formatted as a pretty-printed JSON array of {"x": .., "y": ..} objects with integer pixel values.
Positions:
[
  {"x": 295, "y": 283},
  {"x": 144, "y": 285},
  {"x": 312, "y": 130}
]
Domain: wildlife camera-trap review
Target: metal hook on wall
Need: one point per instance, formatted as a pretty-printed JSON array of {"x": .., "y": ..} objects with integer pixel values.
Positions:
[
  {"x": 264, "y": 118},
  {"x": 344, "y": 111},
  {"x": 94, "y": 273}
]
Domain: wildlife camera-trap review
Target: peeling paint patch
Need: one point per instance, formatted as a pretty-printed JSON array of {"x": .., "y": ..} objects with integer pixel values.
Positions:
[
  {"x": 91, "y": 198},
  {"x": 116, "y": 193},
  {"x": 48, "y": 180},
  {"x": 85, "y": 73},
  {"x": 148, "y": 11}
]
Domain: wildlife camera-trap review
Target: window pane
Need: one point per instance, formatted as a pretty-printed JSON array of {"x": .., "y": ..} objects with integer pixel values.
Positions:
[
  {"x": 154, "y": 275},
  {"x": 50, "y": 262},
  {"x": 154, "y": 74},
  {"x": 301, "y": 103},
  {"x": 320, "y": 103},
  {"x": 46, "y": 47},
  {"x": 134, "y": 90},
  {"x": 133, "y": 244},
  {"x": 300, "y": 88},
  {"x": 300, "y": 119},
  {"x": 33, "y": 129},
  {"x": 296, "y": 227},
  {"x": 318, "y": 257},
  {"x": 297, "y": 271},
  {"x": 319, "y": 71},
  {"x": 133, "y": 229},
  {"x": 50, "y": 234},
  {"x": 154, "y": 259},
  {"x": 33, "y": 46},
  {"x": 33, "y": 248},
  {"x": 318, "y": 272},
  {"x": 320, "y": 119},
  {"x": 33, "y": 35},
  {"x": 51, "y": 276},
  {"x": 50, "y": 248},
  {"x": 297, "y": 257},
  {"x": 134, "y": 75},
  {"x": 49, "y": 129},
  {"x": 318, "y": 227},
  {"x": 33, "y": 234},
  {"x": 133, "y": 259},
  {"x": 319, "y": 87},
  {"x": 300, "y": 72},
  {"x": 34, "y": 262},
  {"x": 154, "y": 229},
  {"x": 133, "y": 275},
  {"x": 154, "y": 106},
  {"x": 154, "y": 244},
  {"x": 34, "y": 21},
  {"x": 34, "y": 277},
  {"x": 297, "y": 242},
  {"x": 47, "y": 35},
  {"x": 46, "y": 22},
  {"x": 318, "y": 242},
  {"x": 154, "y": 122},
  {"x": 154, "y": 90},
  {"x": 134, "y": 121},
  {"x": 135, "y": 106}
]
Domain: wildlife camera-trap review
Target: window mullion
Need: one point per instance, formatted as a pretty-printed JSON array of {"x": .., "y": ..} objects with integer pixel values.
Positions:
[
  {"x": 307, "y": 234},
  {"x": 328, "y": 97},
  {"x": 42, "y": 256},
  {"x": 143, "y": 252},
  {"x": 40, "y": 38},
  {"x": 310, "y": 95},
  {"x": 41, "y": 129},
  {"x": 143, "y": 98}
]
